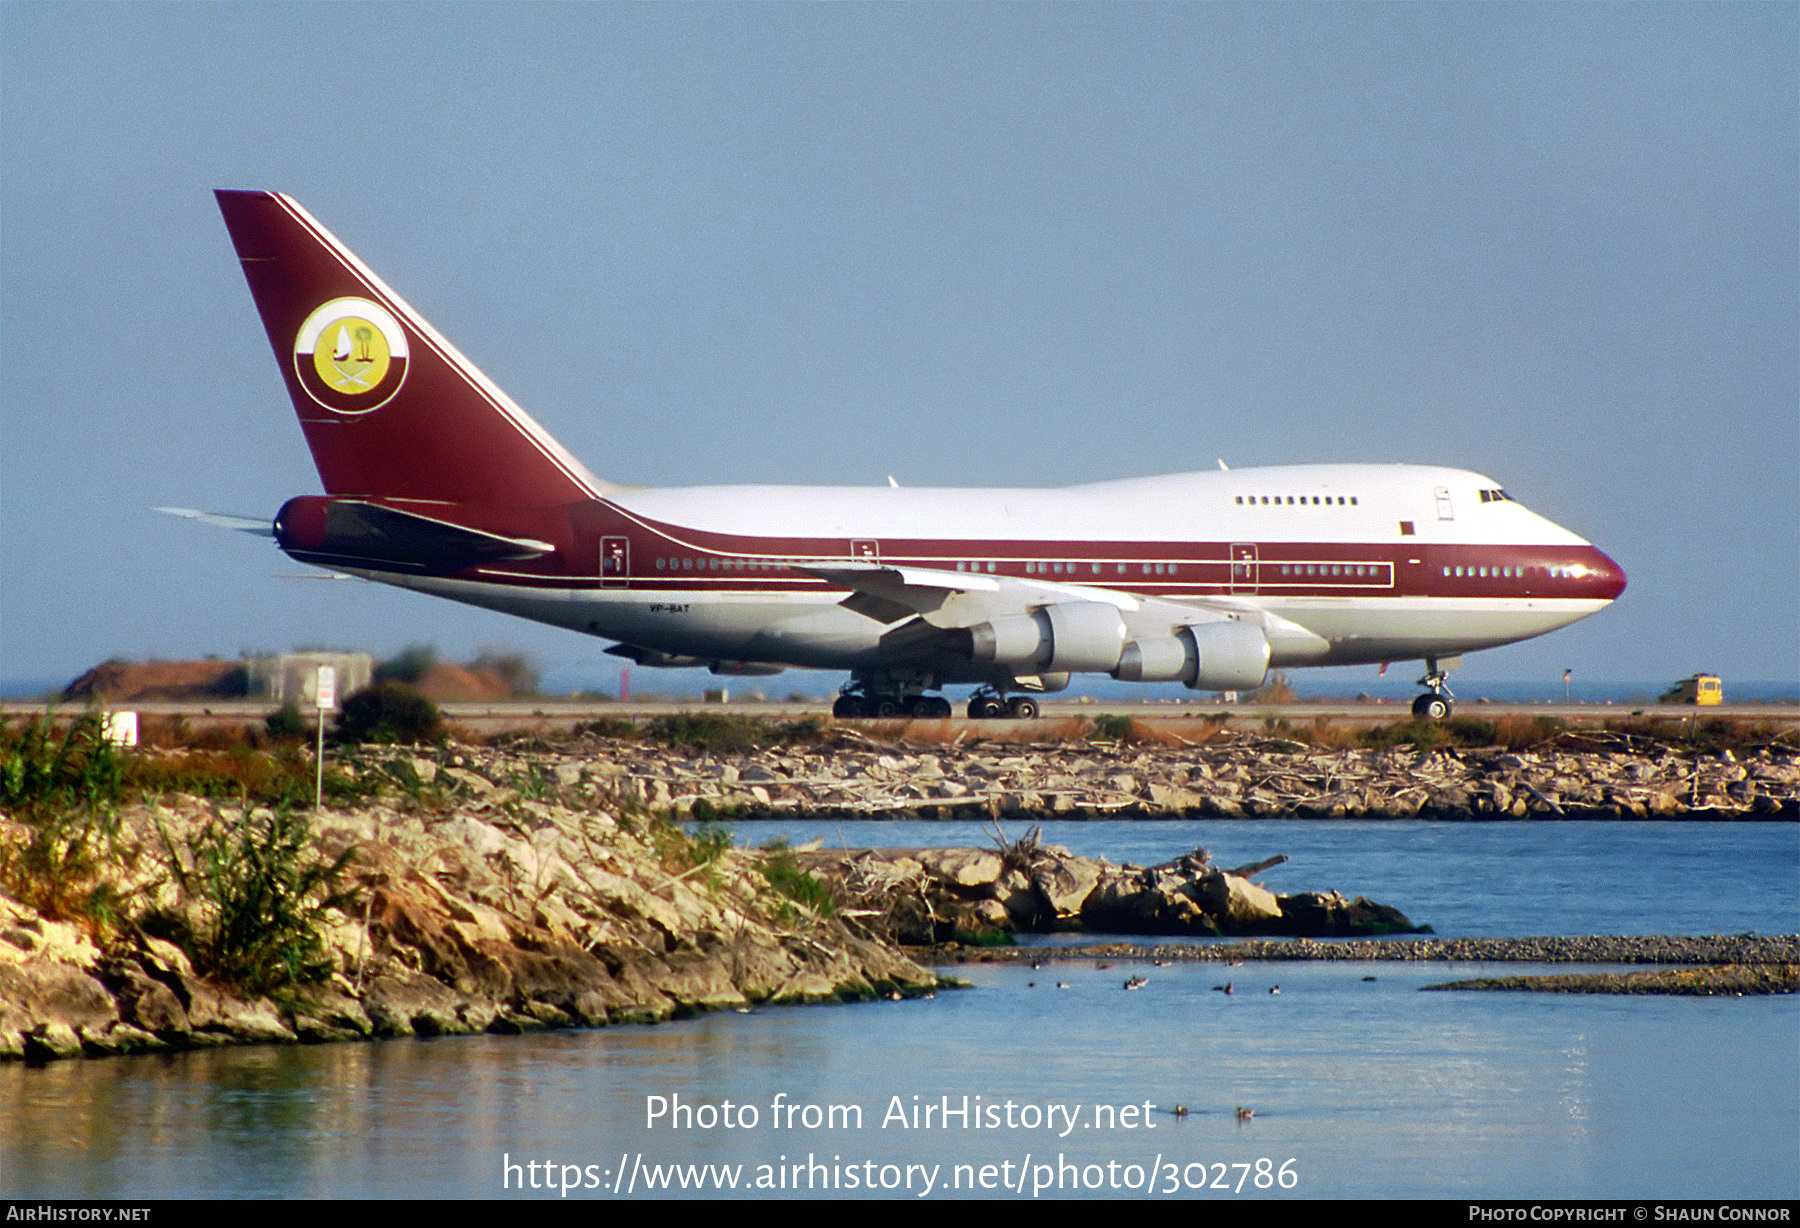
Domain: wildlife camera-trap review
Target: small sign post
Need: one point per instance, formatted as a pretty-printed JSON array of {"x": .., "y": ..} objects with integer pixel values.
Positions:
[{"x": 325, "y": 699}]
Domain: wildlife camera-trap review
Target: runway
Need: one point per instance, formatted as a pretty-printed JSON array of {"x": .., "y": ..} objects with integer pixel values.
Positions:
[{"x": 489, "y": 717}]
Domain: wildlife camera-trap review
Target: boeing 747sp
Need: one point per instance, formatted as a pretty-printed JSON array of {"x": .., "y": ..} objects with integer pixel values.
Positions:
[{"x": 436, "y": 481}]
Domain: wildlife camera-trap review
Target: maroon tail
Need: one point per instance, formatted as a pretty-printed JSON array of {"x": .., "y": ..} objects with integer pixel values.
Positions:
[{"x": 391, "y": 410}]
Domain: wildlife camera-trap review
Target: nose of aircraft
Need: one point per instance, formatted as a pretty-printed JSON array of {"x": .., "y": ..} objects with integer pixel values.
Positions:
[{"x": 1608, "y": 577}]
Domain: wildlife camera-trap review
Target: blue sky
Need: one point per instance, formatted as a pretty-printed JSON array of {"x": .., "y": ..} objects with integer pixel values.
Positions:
[{"x": 961, "y": 244}]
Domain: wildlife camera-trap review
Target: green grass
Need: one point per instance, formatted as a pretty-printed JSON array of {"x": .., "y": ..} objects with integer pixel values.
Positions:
[
  {"x": 797, "y": 890},
  {"x": 389, "y": 711},
  {"x": 63, "y": 784},
  {"x": 1112, "y": 728},
  {"x": 703, "y": 732},
  {"x": 264, "y": 893},
  {"x": 44, "y": 762}
]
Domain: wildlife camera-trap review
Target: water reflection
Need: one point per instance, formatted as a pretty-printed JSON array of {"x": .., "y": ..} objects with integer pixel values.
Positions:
[{"x": 1371, "y": 1086}]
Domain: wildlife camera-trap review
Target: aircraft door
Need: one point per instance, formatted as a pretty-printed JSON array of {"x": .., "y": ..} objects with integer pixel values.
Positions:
[
  {"x": 1444, "y": 510},
  {"x": 615, "y": 562},
  {"x": 1243, "y": 567},
  {"x": 862, "y": 549}
]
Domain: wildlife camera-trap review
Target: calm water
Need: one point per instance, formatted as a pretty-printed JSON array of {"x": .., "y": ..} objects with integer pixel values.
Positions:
[
  {"x": 1462, "y": 879},
  {"x": 1359, "y": 1087}
]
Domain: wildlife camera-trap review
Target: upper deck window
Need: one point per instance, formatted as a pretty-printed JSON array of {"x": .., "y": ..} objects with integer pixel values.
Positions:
[{"x": 1301, "y": 500}]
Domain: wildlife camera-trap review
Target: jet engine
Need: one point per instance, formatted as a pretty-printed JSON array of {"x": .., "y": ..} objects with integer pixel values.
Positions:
[
  {"x": 1217, "y": 656},
  {"x": 1070, "y": 636}
]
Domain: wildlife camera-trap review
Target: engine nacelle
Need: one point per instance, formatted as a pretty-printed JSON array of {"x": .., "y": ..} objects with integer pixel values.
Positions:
[
  {"x": 1160, "y": 658},
  {"x": 1069, "y": 637},
  {"x": 1233, "y": 656},
  {"x": 1219, "y": 656}
]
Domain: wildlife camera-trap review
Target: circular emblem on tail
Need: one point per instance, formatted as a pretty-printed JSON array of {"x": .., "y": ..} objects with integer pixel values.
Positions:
[{"x": 350, "y": 355}]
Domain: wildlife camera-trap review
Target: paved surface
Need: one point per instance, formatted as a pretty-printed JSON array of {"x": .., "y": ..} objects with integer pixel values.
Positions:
[{"x": 563, "y": 714}]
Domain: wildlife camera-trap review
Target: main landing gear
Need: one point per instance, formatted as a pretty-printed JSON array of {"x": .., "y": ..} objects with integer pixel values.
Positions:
[
  {"x": 987, "y": 705},
  {"x": 1435, "y": 704},
  {"x": 858, "y": 701},
  {"x": 861, "y": 703}
]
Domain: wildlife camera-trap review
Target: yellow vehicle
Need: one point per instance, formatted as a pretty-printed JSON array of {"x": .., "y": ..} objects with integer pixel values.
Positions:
[{"x": 1703, "y": 689}]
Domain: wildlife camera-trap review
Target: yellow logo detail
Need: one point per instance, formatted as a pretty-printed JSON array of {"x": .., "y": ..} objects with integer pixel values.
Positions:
[{"x": 352, "y": 356}]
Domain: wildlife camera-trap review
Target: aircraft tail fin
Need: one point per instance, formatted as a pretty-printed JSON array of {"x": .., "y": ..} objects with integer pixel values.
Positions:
[{"x": 390, "y": 409}]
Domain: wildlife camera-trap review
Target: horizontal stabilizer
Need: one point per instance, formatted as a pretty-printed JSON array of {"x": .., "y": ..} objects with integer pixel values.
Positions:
[
  {"x": 355, "y": 533},
  {"x": 218, "y": 520}
]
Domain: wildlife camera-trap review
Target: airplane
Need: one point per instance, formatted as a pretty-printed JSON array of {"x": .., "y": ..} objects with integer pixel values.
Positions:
[{"x": 436, "y": 481}]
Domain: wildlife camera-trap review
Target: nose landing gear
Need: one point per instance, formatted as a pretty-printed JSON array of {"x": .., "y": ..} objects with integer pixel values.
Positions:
[{"x": 1435, "y": 704}]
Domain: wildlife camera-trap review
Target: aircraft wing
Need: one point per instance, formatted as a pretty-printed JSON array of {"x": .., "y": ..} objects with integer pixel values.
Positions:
[
  {"x": 929, "y": 611},
  {"x": 888, "y": 594}
]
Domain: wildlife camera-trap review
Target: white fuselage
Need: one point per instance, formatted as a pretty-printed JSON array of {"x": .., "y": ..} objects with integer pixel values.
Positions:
[{"x": 1340, "y": 563}]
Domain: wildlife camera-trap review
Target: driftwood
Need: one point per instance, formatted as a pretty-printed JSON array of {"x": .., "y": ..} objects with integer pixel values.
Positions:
[{"x": 1257, "y": 867}]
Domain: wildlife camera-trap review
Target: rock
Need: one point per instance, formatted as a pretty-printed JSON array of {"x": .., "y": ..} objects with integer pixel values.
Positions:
[
  {"x": 46, "y": 1005},
  {"x": 413, "y": 1006},
  {"x": 140, "y": 1000},
  {"x": 961, "y": 867},
  {"x": 1064, "y": 884},
  {"x": 1238, "y": 904},
  {"x": 331, "y": 1014},
  {"x": 1322, "y": 915}
]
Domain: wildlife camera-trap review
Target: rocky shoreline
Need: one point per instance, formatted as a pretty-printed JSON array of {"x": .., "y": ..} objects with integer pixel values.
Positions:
[
  {"x": 935, "y": 770},
  {"x": 1733, "y": 980},
  {"x": 489, "y": 902},
  {"x": 1711, "y": 966},
  {"x": 1716, "y": 949},
  {"x": 536, "y": 885}
]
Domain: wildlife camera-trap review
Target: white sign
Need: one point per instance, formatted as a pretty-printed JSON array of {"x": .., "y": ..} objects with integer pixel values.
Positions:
[
  {"x": 327, "y": 688},
  {"x": 120, "y": 728}
]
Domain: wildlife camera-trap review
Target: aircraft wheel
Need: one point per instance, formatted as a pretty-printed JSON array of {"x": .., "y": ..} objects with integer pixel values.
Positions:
[
  {"x": 1023, "y": 709},
  {"x": 924, "y": 707},
  {"x": 849, "y": 707},
  {"x": 985, "y": 708},
  {"x": 1431, "y": 708}
]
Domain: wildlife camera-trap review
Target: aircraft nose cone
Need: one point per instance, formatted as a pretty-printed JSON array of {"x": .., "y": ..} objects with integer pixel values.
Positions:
[{"x": 1608, "y": 575}]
